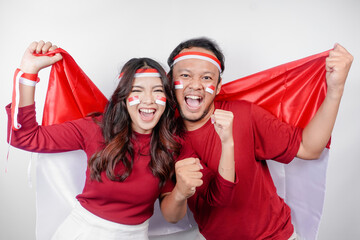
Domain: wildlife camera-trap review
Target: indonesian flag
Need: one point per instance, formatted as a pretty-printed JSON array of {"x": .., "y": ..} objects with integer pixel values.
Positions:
[
  {"x": 178, "y": 85},
  {"x": 210, "y": 89},
  {"x": 134, "y": 100},
  {"x": 160, "y": 100},
  {"x": 292, "y": 92}
]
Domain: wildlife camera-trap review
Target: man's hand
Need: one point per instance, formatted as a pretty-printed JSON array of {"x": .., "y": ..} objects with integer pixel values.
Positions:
[
  {"x": 33, "y": 64},
  {"x": 337, "y": 67},
  {"x": 223, "y": 123}
]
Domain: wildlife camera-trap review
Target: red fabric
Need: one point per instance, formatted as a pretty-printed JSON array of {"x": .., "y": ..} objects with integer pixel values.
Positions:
[
  {"x": 71, "y": 94},
  {"x": 292, "y": 92},
  {"x": 256, "y": 212}
]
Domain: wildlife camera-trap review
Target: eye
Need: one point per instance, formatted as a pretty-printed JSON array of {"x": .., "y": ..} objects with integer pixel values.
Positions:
[
  {"x": 184, "y": 75},
  {"x": 207, "y": 78},
  {"x": 135, "y": 90},
  {"x": 159, "y": 90}
]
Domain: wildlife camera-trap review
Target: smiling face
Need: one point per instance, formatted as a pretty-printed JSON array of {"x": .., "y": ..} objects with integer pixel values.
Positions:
[
  {"x": 195, "y": 100},
  {"x": 145, "y": 103}
]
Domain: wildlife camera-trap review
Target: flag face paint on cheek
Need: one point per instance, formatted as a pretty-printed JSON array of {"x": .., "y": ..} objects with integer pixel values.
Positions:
[
  {"x": 160, "y": 100},
  {"x": 133, "y": 100},
  {"x": 210, "y": 89},
  {"x": 178, "y": 85}
]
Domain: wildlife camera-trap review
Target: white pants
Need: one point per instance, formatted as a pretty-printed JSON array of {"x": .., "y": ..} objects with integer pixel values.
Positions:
[{"x": 83, "y": 225}]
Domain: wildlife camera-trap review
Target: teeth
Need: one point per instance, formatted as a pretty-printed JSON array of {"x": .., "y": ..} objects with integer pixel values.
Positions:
[
  {"x": 193, "y": 97},
  {"x": 147, "y": 110}
]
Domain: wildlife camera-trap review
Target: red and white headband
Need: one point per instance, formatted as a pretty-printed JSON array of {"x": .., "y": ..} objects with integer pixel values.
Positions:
[
  {"x": 149, "y": 72},
  {"x": 197, "y": 55}
]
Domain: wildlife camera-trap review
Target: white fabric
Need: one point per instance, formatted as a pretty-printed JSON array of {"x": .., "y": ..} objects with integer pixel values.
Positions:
[
  {"x": 59, "y": 178},
  {"x": 302, "y": 185},
  {"x": 83, "y": 225}
]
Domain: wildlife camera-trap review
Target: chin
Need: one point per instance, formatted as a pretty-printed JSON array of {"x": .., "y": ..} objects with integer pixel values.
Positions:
[{"x": 192, "y": 117}]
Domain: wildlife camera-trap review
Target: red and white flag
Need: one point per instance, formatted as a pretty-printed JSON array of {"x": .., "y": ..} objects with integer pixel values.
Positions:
[
  {"x": 178, "y": 85},
  {"x": 210, "y": 89},
  {"x": 160, "y": 100},
  {"x": 133, "y": 100}
]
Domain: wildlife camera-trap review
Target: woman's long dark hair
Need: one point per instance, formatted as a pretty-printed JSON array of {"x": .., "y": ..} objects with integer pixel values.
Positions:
[{"x": 117, "y": 131}]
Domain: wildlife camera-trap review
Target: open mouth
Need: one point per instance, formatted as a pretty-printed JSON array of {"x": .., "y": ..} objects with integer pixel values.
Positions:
[
  {"x": 147, "y": 114},
  {"x": 193, "y": 102}
]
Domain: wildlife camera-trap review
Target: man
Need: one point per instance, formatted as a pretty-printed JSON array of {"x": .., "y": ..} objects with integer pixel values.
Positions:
[{"x": 256, "y": 211}]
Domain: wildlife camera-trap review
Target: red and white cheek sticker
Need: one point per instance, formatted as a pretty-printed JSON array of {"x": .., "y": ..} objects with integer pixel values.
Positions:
[
  {"x": 210, "y": 89},
  {"x": 133, "y": 100},
  {"x": 160, "y": 100},
  {"x": 178, "y": 85}
]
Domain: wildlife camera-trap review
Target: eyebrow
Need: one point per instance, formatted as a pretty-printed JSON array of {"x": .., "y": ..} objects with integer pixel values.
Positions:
[
  {"x": 187, "y": 70},
  {"x": 156, "y": 86}
]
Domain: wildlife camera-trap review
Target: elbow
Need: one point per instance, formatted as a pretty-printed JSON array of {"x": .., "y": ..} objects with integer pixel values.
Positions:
[
  {"x": 173, "y": 219},
  {"x": 315, "y": 156},
  {"x": 309, "y": 154}
]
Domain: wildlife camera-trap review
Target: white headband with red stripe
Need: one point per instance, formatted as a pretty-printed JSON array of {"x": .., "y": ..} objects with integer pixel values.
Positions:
[
  {"x": 149, "y": 72},
  {"x": 197, "y": 55}
]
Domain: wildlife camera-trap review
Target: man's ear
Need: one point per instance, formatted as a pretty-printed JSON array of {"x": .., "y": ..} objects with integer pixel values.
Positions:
[{"x": 218, "y": 87}]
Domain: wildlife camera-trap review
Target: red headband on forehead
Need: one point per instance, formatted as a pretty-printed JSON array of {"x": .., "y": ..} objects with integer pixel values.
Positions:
[
  {"x": 144, "y": 72},
  {"x": 197, "y": 55}
]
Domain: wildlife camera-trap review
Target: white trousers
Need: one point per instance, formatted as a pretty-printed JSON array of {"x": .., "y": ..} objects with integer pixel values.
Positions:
[{"x": 83, "y": 225}]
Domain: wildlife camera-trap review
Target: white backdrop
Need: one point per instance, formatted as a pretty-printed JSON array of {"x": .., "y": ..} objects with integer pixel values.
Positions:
[{"x": 254, "y": 35}]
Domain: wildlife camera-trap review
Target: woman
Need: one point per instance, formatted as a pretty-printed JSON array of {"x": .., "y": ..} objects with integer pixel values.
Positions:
[{"x": 130, "y": 150}]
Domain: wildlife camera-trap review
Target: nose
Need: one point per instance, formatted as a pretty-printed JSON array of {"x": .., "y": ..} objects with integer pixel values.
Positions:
[
  {"x": 148, "y": 98},
  {"x": 195, "y": 83}
]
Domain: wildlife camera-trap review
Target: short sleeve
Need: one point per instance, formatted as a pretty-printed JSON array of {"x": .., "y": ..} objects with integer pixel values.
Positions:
[{"x": 273, "y": 139}]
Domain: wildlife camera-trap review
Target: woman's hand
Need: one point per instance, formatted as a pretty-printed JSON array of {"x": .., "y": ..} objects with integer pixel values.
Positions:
[
  {"x": 188, "y": 177},
  {"x": 33, "y": 64}
]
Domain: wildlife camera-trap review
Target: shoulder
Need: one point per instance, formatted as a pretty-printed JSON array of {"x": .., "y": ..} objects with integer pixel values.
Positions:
[
  {"x": 240, "y": 108},
  {"x": 87, "y": 125}
]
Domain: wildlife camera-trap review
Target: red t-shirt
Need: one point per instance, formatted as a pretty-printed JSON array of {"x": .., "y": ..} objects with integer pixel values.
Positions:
[
  {"x": 256, "y": 211},
  {"x": 127, "y": 202}
]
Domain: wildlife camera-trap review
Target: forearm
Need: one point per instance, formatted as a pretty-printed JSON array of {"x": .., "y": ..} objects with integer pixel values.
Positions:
[
  {"x": 227, "y": 164},
  {"x": 173, "y": 206},
  {"x": 317, "y": 133},
  {"x": 27, "y": 95}
]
